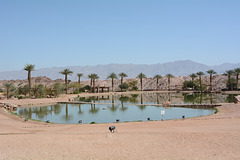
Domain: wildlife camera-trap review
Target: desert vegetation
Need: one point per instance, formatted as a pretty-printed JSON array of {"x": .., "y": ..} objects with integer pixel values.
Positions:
[{"x": 199, "y": 81}]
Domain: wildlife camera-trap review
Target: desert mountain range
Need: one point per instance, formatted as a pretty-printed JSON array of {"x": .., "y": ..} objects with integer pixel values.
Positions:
[{"x": 177, "y": 68}]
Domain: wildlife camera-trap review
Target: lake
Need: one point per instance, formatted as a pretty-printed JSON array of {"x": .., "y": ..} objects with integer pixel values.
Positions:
[{"x": 125, "y": 108}]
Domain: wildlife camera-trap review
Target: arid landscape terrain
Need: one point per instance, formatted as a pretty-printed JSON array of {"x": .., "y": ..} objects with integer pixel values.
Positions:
[
  {"x": 119, "y": 80},
  {"x": 213, "y": 137},
  {"x": 219, "y": 82}
]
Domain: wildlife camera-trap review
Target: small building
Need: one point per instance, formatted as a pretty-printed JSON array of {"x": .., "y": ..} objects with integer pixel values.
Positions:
[{"x": 101, "y": 89}]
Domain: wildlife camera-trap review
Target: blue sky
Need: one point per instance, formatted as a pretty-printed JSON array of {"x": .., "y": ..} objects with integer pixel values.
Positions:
[{"x": 51, "y": 33}]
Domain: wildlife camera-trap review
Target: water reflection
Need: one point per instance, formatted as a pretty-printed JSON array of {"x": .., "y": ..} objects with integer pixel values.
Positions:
[
  {"x": 113, "y": 107},
  {"x": 125, "y": 107},
  {"x": 79, "y": 109},
  {"x": 123, "y": 99},
  {"x": 133, "y": 98},
  {"x": 57, "y": 109},
  {"x": 201, "y": 98},
  {"x": 40, "y": 112},
  {"x": 72, "y": 113},
  {"x": 67, "y": 117},
  {"x": 142, "y": 106},
  {"x": 159, "y": 98},
  {"x": 93, "y": 109}
]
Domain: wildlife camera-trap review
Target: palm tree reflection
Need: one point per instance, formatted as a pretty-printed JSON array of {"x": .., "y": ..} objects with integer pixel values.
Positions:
[
  {"x": 57, "y": 109},
  {"x": 133, "y": 98},
  {"x": 157, "y": 98},
  {"x": 79, "y": 109},
  {"x": 113, "y": 108},
  {"x": 67, "y": 117},
  {"x": 123, "y": 99},
  {"x": 142, "y": 106},
  {"x": 93, "y": 109}
]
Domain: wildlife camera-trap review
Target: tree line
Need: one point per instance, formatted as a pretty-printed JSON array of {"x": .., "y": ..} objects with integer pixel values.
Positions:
[
  {"x": 231, "y": 83},
  {"x": 40, "y": 91}
]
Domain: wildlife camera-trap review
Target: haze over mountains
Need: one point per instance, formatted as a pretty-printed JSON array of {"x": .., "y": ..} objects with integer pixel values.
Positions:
[{"x": 177, "y": 68}]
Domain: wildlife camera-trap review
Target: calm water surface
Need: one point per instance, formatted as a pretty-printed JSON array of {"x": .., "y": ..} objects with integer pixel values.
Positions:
[
  {"x": 159, "y": 98},
  {"x": 72, "y": 113},
  {"x": 124, "y": 108}
]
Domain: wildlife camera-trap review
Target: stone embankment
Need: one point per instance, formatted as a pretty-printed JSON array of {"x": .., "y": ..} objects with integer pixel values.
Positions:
[{"x": 8, "y": 106}]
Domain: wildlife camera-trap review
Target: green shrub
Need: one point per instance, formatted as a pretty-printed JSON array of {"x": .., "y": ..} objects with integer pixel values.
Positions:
[
  {"x": 123, "y": 86},
  {"x": 75, "y": 92}
]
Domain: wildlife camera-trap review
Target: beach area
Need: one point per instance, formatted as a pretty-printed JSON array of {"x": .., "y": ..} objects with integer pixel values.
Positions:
[{"x": 212, "y": 137}]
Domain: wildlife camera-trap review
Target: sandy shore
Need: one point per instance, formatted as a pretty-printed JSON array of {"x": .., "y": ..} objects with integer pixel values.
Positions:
[{"x": 211, "y": 137}]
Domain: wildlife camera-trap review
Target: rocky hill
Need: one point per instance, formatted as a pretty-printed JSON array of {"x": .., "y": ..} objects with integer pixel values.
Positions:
[
  {"x": 35, "y": 80},
  {"x": 219, "y": 82}
]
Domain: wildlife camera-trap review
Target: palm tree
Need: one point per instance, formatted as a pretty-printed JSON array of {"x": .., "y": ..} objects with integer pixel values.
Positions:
[
  {"x": 91, "y": 81},
  {"x": 157, "y": 77},
  {"x": 93, "y": 77},
  {"x": 8, "y": 87},
  {"x": 79, "y": 75},
  {"x": 122, "y": 75},
  {"x": 66, "y": 72},
  {"x": 141, "y": 76},
  {"x": 211, "y": 72},
  {"x": 29, "y": 68},
  {"x": 231, "y": 83},
  {"x": 112, "y": 76},
  {"x": 193, "y": 76},
  {"x": 200, "y": 74},
  {"x": 229, "y": 73},
  {"x": 169, "y": 76},
  {"x": 35, "y": 90},
  {"x": 237, "y": 72}
]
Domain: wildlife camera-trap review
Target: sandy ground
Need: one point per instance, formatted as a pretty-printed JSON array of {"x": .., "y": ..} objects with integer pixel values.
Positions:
[{"x": 212, "y": 137}]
